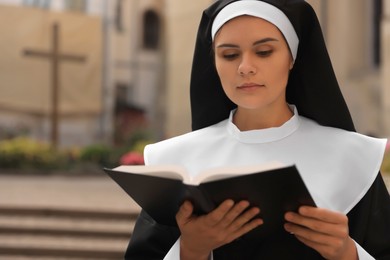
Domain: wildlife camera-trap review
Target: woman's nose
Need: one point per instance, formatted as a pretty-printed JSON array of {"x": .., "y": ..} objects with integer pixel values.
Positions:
[{"x": 246, "y": 66}]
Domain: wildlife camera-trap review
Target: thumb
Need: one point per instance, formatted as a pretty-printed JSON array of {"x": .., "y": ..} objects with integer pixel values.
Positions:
[{"x": 184, "y": 213}]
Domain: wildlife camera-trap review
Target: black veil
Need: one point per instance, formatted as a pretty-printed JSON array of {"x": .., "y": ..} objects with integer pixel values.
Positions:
[{"x": 312, "y": 84}]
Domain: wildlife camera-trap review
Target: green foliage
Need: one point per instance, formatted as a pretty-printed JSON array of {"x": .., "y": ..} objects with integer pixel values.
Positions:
[
  {"x": 22, "y": 152},
  {"x": 97, "y": 153}
]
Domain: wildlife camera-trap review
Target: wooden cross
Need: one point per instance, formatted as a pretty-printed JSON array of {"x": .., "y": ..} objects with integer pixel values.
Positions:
[{"x": 55, "y": 57}]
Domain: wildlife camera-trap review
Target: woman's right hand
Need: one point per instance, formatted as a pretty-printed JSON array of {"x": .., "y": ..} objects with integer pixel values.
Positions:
[{"x": 202, "y": 234}]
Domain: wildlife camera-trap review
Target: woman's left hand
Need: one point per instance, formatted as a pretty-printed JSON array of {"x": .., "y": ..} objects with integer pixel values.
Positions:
[{"x": 323, "y": 230}]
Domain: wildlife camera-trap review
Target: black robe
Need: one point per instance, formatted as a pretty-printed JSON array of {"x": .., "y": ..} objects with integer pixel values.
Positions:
[{"x": 369, "y": 226}]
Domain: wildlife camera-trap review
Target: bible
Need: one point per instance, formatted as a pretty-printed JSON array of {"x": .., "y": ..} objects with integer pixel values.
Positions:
[{"x": 160, "y": 190}]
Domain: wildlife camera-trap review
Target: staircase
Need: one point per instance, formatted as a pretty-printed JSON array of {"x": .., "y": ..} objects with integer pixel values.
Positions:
[
  {"x": 72, "y": 218},
  {"x": 50, "y": 233}
]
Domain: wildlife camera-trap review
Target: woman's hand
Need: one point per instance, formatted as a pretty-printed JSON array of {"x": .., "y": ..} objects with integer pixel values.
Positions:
[
  {"x": 323, "y": 230},
  {"x": 202, "y": 234}
]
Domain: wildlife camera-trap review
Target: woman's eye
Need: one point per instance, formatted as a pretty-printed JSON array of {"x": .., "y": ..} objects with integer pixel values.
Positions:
[
  {"x": 264, "y": 53},
  {"x": 230, "y": 56}
]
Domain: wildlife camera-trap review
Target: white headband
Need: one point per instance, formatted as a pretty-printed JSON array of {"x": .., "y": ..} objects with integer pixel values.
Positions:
[{"x": 261, "y": 10}]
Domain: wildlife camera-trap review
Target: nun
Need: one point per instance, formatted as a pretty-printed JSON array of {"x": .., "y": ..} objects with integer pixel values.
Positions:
[{"x": 263, "y": 89}]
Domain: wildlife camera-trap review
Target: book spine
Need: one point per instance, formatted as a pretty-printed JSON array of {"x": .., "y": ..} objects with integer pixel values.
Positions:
[{"x": 201, "y": 201}]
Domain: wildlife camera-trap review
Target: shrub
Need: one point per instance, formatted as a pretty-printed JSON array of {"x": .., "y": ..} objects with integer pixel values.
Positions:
[
  {"x": 22, "y": 152},
  {"x": 97, "y": 153},
  {"x": 28, "y": 155}
]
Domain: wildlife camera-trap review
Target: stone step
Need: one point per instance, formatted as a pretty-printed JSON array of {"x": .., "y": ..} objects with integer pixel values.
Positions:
[
  {"x": 17, "y": 229},
  {"x": 62, "y": 247},
  {"x": 40, "y": 257},
  {"x": 67, "y": 212},
  {"x": 36, "y": 233},
  {"x": 65, "y": 222}
]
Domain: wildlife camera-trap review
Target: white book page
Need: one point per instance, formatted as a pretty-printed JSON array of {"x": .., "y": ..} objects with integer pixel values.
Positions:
[
  {"x": 225, "y": 172},
  {"x": 179, "y": 173},
  {"x": 164, "y": 171}
]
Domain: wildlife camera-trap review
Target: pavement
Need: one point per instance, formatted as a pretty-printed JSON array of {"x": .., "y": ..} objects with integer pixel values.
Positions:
[
  {"x": 63, "y": 217},
  {"x": 67, "y": 192}
]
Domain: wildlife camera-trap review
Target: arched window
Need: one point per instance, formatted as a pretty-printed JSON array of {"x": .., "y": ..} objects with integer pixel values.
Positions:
[{"x": 151, "y": 30}]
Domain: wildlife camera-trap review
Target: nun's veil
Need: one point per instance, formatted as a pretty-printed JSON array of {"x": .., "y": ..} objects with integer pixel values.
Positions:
[{"x": 312, "y": 84}]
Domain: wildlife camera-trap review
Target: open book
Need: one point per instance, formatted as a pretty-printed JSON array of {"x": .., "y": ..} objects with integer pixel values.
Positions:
[{"x": 160, "y": 190}]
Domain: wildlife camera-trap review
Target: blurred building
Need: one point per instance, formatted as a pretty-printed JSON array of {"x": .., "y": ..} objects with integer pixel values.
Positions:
[
  {"x": 352, "y": 30},
  {"x": 108, "y": 68},
  {"x": 137, "y": 60}
]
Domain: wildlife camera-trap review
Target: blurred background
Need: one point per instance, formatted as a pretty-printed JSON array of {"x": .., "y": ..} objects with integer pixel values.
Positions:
[
  {"x": 79, "y": 73},
  {"x": 86, "y": 84}
]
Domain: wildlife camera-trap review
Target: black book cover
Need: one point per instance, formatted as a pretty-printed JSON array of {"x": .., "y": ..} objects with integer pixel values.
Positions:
[{"x": 274, "y": 191}]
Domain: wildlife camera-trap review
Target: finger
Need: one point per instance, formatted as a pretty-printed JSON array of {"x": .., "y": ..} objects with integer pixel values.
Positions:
[
  {"x": 184, "y": 213},
  {"x": 234, "y": 213},
  {"x": 315, "y": 245},
  {"x": 322, "y": 214},
  {"x": 305, "y": 223},
  {"x": 339, "y": 229},
  {"x": 305, "y": 234},
  {"x": 248, "y": 226},
  {"x": 244, "y": 218},
  {"x": 215, "y": 216},
  {"x": 327, "y": 251}
]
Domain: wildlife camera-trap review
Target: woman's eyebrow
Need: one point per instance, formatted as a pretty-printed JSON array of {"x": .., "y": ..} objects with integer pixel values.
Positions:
[
  {"x": 265, "y": 40},
  {"x": 230, "y": 45},
  {"x": 227, "y": 45}
]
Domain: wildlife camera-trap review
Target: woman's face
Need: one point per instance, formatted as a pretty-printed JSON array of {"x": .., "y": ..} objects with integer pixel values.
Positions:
[{"x": 253, "y": 62}]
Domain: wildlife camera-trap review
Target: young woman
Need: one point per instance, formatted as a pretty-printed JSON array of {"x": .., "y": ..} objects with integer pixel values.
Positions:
[{"x": 263, "y": 89}]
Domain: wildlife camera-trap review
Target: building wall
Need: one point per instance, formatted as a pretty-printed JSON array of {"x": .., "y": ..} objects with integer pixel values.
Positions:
[
  {"x": 26, "y": 81},
  {"x": 125, "y": 63},
  {"x": 182, "y": 20},
  {"x": 351, "y": 47}
]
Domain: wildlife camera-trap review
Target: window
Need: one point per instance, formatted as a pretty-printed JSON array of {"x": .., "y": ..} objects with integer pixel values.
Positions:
[
  {"x": 122, "y": 91},
  {"x": 377, "y": 16},
  {"x": 37, "y": 3},
  {"x": 119, "y": 15},
  {"x": 151, "y": 30},
  {"x": 75, "y": 5}
]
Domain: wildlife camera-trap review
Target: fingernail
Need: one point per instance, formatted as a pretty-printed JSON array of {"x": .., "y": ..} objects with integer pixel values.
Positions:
[
  {"x": 230, "y": 203},
  {"x": 186, "y": 205},
  {"x": 287, "y": 228},
  {"x": 302, "y": 210}
]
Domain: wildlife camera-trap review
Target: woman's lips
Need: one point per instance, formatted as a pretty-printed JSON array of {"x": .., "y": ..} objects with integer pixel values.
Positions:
[{"x": 250, "y": 86}]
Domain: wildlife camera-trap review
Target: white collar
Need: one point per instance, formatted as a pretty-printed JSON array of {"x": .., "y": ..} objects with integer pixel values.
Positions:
[
  {"x": 338, "y": 166},
  {"x": 264, "y": 135}
]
